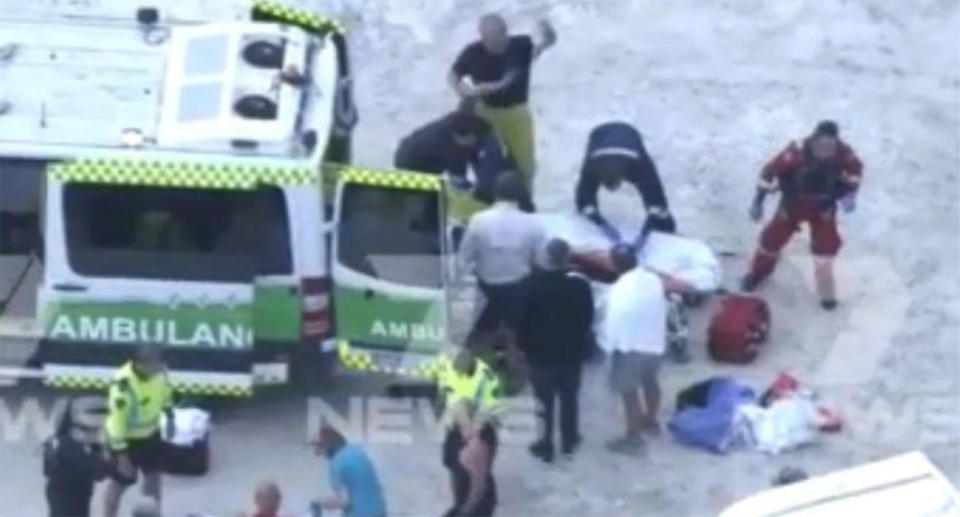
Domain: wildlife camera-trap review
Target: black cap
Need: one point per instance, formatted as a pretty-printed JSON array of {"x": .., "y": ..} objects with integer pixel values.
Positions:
[{"x": 827, "y": 128}]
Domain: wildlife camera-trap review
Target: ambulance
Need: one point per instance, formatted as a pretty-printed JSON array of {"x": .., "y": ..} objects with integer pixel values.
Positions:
[{"x": 195, "y": 192}]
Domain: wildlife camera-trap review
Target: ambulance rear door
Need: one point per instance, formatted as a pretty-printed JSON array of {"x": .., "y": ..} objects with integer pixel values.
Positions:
[{"x": 389, "y": 275}]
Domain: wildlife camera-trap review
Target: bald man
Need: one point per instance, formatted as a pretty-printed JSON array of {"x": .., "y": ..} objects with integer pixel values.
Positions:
[
  {"x": 498, "y": 68},
  {"x": 267, "y": 500}
]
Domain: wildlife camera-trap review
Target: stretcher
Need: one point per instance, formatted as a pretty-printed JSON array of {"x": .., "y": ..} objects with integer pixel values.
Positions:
[
  {"x": 688, "y": 261},
  {"x": 690, "y": 269}
]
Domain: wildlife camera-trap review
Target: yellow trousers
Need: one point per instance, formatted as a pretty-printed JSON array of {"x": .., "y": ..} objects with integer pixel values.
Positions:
[{"x": 514, "y": 126}]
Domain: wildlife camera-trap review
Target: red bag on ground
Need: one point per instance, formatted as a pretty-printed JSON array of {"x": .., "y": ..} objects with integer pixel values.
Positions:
[{"x": 737, "y": 329}]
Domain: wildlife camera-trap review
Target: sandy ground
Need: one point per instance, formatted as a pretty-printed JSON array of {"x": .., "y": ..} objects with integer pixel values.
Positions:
[{"x": 715, "y": 87}]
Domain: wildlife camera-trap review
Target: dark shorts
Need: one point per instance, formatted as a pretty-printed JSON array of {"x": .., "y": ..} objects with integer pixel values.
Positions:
[{"x": 146, "y": 455}]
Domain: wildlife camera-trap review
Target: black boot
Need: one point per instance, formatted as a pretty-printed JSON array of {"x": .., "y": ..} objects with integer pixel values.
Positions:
[
  {"x": 542, "y": 450},
  {"x": 570, "y": 448},
  {"x": 828, "y": 305}
]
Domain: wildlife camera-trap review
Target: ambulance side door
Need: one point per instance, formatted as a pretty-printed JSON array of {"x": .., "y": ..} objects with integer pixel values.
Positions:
[
  {"x": 389, "y": 272},
  {"x": 132, "y": 264},
  {"x": 277, "y": 304}
]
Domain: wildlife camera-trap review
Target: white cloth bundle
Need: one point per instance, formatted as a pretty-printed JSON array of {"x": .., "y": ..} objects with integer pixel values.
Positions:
[
  {"x": 787, "y": 424},
  {"x": 191, "y": 425},
  {"x": 683, "y": 258}
]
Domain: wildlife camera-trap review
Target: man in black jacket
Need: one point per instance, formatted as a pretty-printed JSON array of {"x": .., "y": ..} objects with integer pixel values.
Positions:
[
  {"x": 556, "y": 335},
  {"x": 448, "y": 145},
  {"x": 453, "y": 145},
  {"x": 615, "y": 153},
  {"x": 72, "y": 463}
]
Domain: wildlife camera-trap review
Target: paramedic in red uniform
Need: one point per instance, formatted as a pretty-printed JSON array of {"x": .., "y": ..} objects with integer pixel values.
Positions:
[{"x": 813, "y": 177}]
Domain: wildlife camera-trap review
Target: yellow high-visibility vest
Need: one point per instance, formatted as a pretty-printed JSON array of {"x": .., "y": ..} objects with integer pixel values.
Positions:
[
  {"x": 135, "y": 406},
  {"x": 482, "y": 388}
]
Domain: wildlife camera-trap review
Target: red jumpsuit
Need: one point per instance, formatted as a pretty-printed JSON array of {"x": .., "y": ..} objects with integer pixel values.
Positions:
[{"x": 809, "y": 191}]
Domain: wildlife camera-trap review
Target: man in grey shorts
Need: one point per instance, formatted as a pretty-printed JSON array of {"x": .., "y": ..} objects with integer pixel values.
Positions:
[{"x": 635, "y": 335}]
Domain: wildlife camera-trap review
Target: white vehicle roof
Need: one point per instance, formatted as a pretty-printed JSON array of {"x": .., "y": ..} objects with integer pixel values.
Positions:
[
  {"x": 77, "y": 93},
  {"x": 903, "y": 486}
]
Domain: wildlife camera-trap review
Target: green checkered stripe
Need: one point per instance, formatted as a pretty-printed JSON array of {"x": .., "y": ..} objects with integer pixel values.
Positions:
[
  {"x": 179, "y": 174},
  {"x": 355, "y": 359},
  {"x": 82, "y": 383},
  {"x": 395, "y": 179},
  {"x": 266, "y": 11}
]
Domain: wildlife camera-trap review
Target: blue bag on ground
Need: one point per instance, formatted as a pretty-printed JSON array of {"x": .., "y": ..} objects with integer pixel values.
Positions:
[{"x": 708, "y": 422}]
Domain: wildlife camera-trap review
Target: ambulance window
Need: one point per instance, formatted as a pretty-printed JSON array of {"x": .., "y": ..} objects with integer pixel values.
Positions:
[
  {"x": 210, "y": 235},
  {"x": 200, "y": 101},
  {"x": 206, "y": 55},
  {"x": 391, "y": 234}
]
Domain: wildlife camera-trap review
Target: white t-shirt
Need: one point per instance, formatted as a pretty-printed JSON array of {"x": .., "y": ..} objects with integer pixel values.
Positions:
[{"x": 635, "y": 319}]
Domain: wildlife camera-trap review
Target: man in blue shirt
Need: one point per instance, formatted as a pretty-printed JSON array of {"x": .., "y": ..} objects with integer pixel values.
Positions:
[{"x": 356, "y": 487}]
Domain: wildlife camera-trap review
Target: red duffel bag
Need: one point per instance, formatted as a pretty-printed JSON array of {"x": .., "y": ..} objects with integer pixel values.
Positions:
[{"x": 737, "y": 329}]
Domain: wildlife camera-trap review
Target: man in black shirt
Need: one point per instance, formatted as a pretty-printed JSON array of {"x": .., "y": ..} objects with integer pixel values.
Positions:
[
  {"x": 498, "y": 67},
  {"x": 556, "y": 334},
  {"x": 615, "y": 152}
]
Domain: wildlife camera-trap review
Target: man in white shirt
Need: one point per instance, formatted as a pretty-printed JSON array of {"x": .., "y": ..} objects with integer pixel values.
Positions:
[
  {"x": 502, "y": 245},
  {"x": 634, "y": 333}
]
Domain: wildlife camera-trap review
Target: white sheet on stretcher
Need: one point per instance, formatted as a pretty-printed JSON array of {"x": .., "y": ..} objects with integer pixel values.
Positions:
[{"x": 684, "y": 258}]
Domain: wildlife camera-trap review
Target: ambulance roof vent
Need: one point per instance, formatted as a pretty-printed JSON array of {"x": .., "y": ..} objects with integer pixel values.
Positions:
[
  {"x": 258, "y": 107},
  {"x": 263, "y": 54}
]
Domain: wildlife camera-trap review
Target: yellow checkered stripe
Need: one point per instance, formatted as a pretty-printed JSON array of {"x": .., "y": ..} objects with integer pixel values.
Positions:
[
  {"x": 84, "y": 383},
  {"x": 394, "y": 179},
  {"x": 77, "y": 383},
  {"x": 312, "y": 22},
  {"x": 213, "y": 390},
  {"x": 355, "y": 359},
  {"x": 179, "y": 174}
]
